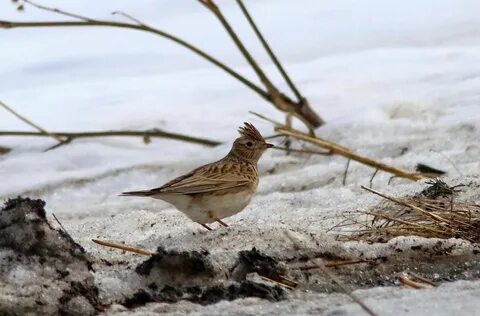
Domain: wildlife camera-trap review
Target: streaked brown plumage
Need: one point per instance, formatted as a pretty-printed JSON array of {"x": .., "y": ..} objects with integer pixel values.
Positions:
[{"x": 219, "y": 189}]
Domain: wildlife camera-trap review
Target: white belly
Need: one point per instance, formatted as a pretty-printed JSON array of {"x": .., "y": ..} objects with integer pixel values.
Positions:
[{"x": 204, "y": 208}]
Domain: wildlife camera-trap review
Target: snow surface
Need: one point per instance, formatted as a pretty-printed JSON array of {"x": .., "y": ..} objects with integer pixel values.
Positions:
[{"x": 395, "y": 80}]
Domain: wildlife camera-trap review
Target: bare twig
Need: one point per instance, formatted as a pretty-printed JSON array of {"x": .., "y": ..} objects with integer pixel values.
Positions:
[
  {"x": 131, "y": 18},
  {"x": 24, "y": 119},
  {"x": 300, "y": 109},
  {"x": 263, "y": 117},
  {"x": 335, "y": 264},
  {"x": 423, "y": 279},
  {"x": 303, "y": 151},
  {"x": 373, "y": 177},
  {"x": 340, "y": 150},
  {"x": 406, "y": 281},
  {"x": 344, "y": 180},
  {"x": 66, "y": 234},
  {"x": 345, "y": 290},
  {"x": 93, "y": 22},
  {"x": 122, "y": 247},
  {"x": 55, "y": 10},
  {"x": 269, "y": 51},
  {"x": 289, "y": 284},
  {"x": 150, "y": 133},
  {"x": 61, "y": 226}
]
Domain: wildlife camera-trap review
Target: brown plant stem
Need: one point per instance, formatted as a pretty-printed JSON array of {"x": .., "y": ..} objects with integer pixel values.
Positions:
[
  {"x": 343, "y": 151},
  {"x": 406, "y": 281},
  {"x": 24, "y": 119},
  {"x": 269, "y": 51},
  {"x": 147, "y": 133},
  {"x": 122, "y": 247},
  {"x": 303, "y": 151},
  {"x": 143, "y": 27},
  {"x": 344, "y": 289},
  {"x": 335, "y": 264},
  {"x": 301, "y": 109}
]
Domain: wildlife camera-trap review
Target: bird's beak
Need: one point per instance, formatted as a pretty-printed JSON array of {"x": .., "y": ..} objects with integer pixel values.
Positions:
[{"x": 270, "y": 145}]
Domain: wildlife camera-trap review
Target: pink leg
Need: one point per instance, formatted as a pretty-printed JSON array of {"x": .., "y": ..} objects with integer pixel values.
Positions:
[{"x": 205, "y": 225}]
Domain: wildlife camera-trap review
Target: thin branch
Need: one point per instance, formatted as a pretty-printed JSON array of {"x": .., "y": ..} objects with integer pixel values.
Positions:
[
  {"x": 149, "y": 133},
  {"x": 209, "y": 4},
  {"x": 357, "y": 300},
  {"x": 335, "y": 264},
  {"x": 122, "y": 247},
  {"x": 263, "y": 117},
  {"x": 301, "y": 109},
  {"x": 373, "y": 177},
  {"x": 344, "y": 180},
  {"x": 340, "y": 150},
  {"x": 128, "y": 16},
  {"x": 58, "y": 11},
  {"x": 92, "y": 22},
  {"x": 269, "y": 51},
  {"x": 406, "y": 281},
  {"x": 303, "y": 151},
  {"x": 282, "y": 282},
  {"x": 423, "y": 279},
  {"x": 24, "y": 119}
]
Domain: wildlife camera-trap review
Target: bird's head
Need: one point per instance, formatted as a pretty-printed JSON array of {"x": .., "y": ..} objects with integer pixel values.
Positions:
[{"x": 250, "y": 145}]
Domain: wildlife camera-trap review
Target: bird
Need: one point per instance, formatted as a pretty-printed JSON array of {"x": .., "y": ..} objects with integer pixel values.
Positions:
[{"x": 220, "y": 189}]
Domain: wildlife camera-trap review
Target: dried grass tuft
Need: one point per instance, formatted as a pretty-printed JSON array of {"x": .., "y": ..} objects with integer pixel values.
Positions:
[{"x": 433, "y": 213}]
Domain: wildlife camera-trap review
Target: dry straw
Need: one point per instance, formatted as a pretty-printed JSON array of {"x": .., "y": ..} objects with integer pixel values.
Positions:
[{"x": 434, "y": 213}]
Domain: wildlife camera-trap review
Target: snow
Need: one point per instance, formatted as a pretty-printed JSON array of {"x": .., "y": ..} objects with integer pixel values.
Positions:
[{"x": 395, "y": 80}]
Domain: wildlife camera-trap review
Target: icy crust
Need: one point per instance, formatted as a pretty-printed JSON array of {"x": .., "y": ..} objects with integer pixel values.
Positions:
[{"x": 42, "y": 270}]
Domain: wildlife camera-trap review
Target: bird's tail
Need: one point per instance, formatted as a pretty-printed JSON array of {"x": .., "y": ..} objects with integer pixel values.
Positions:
[{"x": 137, "y": 193}]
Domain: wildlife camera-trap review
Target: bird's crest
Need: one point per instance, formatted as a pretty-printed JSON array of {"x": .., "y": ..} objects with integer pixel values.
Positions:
[{"x": 249, "y": 131}]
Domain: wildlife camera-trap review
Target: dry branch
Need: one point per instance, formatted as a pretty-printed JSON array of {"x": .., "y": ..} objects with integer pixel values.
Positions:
[
  {"x": 122, "y": 247},
  {"x": 333, "y": 148},
  {"x": 29, "y": 122},
  {"x": 300, "y": 109},
  {"x": 335, "y": 264},
  {"x": 344, "y": 289},
  {"x": 343, "y": 151},
  {"x": 410, "y": 283},
  {"x": 270, "y": 52},
  {"x": 148, "y": 133}
]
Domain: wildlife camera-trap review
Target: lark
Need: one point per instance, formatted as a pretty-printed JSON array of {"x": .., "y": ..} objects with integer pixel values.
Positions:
[{"x": 220, "y": 189}]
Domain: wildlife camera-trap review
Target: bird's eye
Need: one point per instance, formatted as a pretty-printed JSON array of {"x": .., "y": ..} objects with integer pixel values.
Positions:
[{"x": 249, "y": 144}]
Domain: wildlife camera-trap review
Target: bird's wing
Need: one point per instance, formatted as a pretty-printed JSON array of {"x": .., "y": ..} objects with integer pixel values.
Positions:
[{"x": 208, "y": 178}]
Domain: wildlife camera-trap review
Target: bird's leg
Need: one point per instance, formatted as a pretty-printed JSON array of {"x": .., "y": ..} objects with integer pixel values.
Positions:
[
  {"x": 221, "y": 222},
  {"x": 218, "y": 220},
  {"x": 205, "y": 225}
]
